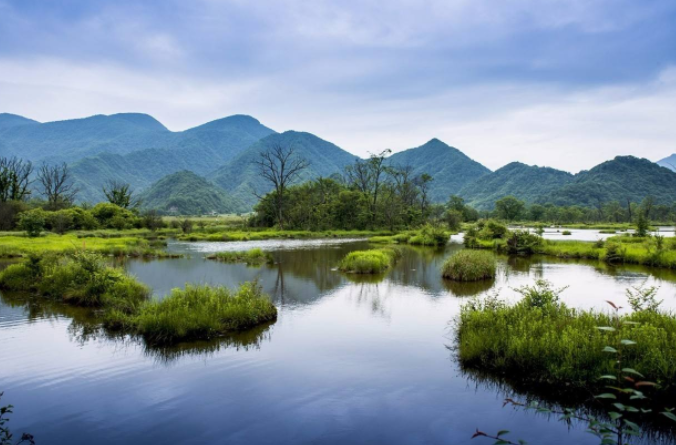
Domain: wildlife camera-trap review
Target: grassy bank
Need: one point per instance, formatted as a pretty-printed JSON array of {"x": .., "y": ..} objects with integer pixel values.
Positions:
[
  {"x": 470, "y": 265},
  {"x": 253, "y": 257},
  {"x": 541, "y": 343},
  {"x": 256, "y": 235},
  {"x": 426, "y": 236},
  {"x": 122, "y": 303},
  {"x": 372, "y": 261},
  {"x": 14, "y": 246}
]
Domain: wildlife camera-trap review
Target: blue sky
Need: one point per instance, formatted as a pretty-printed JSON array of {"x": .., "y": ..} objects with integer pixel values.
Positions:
[{"x": 550, "y": 82}]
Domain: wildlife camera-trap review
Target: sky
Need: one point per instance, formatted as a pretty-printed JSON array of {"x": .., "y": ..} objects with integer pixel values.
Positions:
[{"x": 560, "y": 83}]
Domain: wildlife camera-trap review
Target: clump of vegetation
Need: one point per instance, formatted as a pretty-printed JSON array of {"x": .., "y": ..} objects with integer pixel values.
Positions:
[
  {"x": 470, "y": 265},
  {"x": 202, "y": 312},
  {"x": 81, "y": 280},
  {"x": 521, "y": 242},
  {"x": 372, "y": 261},
  {"x": 32, "y": 223},
  {"x": 485, "y": 230},
  {"x": 607, "y": 231},
  {"x": 566, "y": 233},
  {"x": 429, "y": 235},
  {"x": 543, "y": 343},
  {"x": 253, "y": 257}
]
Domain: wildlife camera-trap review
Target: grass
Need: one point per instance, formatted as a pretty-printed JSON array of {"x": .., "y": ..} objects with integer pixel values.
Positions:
[
  {"x": 566, "y": 232},
  {"x": 542, "y": 343},
  {"x": 373, "y": 261},
  {"x": 470, "y": 265},
  {"x": 254, "y": 235},
  {"x": 121, "y": 302},
  {"x": 202, "y": 312},
  {"x": 14, "y": 246},
  {"x": 425, "y": 236},
  {"x": 253, "y": 257}
]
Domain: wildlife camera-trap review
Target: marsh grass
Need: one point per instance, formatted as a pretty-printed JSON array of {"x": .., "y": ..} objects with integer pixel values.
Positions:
[
  {"x": 426, "y": 236},
  {"x": 373, "y": 261},
  {"x": 544, "y": 344},
  {"x": 19, "y": 246},
  {"x": 256, "y": 235},
  {"x": 253, "y": 257},
  {"x": 470, "y": 265},
  {"x": 202, "y": 312}
]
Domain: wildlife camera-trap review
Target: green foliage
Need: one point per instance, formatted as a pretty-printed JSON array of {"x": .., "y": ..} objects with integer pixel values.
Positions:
[
  {"x": 545, "y": 344},
  {"x": 374, "y": 261},
  {"x": 32, "y": 222},
  {"x": 566, "y": 232},
  {"x": 509, "y": 208},
  {"x": 642, "y": 225},
  {"x": 531, "y": 184},
  {"x": 253, "y": 257},
  {"x": 114, "y": 217},
  {"x": 522, "y": 242},
  {"x": 185, "y": 193},
  {"x": 470, "y": 265},
  {"x": 429, "y": 235},
  {"x": 203, "y": 312}
]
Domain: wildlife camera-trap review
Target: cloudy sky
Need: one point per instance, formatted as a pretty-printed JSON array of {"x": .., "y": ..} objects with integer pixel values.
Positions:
[{"x": 563, "y": 83}]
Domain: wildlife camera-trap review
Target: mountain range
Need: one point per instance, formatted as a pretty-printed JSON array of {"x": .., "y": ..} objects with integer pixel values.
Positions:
[{"x": 216, "y": 161}]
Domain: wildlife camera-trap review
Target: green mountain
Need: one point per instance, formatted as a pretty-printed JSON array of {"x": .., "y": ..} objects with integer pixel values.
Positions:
[
  {"x": 8, "y": 120},
  {"x": 241, "y": 175},
  {"x": 526, "y": 182},
  {"x": 450, "y": 168},
  {"x": 625, "y": 177},
  {"x": 185, "y": 193},
  {"x": 200, "y": 150},
  {"x": 668, "y": 162}
]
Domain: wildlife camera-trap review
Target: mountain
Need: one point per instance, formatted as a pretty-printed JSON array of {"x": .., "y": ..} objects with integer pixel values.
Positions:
[
  {"x": 450, "y": 168},
  {"x": 668, "y": 162},
  {"x": 625, "y": 177},
  {"x": 241, "y": 176},
  {"x": 526, "y": 182},
  {"x": 12, "y": 120},
  {"x": 200, "y": 150},
  {"x": 185, "y": 193}
]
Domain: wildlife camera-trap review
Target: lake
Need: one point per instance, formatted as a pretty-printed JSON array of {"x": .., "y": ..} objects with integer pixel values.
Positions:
[{"x": 357, "y": 360}]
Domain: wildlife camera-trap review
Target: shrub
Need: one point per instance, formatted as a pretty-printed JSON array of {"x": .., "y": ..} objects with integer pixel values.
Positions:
[
  {"x": 429, "y": 235},
  {"x": 522, "y": 242},
  {"x": 566, "y": 232},
  {"x": 32, "y": 222},
  {"x": 186, "y": 225},
  {"x": 203, "y": 312},
  {"x": 470, "y": 265},
  {"x": 253, "y": 257},
  {"x": 372, "y": 261},
  {"x": 112, "y": 216}
]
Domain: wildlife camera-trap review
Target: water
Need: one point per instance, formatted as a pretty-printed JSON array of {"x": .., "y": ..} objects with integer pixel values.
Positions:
[{"x": 349, "y": 360}]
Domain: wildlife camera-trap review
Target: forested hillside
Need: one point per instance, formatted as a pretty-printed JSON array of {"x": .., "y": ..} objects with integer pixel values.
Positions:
[
  {"x": 450, "y": 168},
  {"x": 241, "y": 176},
  {"x": 185, "y": 193},
  {"x": 621, "y": 179},
  {"x": 525, "y": 182}
]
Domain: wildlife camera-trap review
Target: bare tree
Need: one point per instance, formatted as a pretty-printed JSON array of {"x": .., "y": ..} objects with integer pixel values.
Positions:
[
  {"x": 120, "y": 194},
  {"x": 15, "y": 178},
  {"x": 57, "y": 185},
  {"x": 280, "y": 167},
  {"x": 423, "y": 182}
]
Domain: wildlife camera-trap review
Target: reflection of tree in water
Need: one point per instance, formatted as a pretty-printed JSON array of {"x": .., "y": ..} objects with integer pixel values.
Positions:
[
  {"x": 85, "y": 327},
  {"x": 368, "y": 292}
]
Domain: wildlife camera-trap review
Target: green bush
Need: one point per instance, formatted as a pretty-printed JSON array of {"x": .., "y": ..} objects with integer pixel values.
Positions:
[
  {"x": 566, "y": 232},
  {"x": 470, "y": 265},
  {"x": 32, "y": 222},
  {"x": 540, "y": 342},
  {"x": 203, "y": 312},
  {"x": 372, "y": 261},
  {"x": 253, "y": 257},
  {"x": 429, "y": 235},
  {"x": 114, "y": 217},
  {"x": 522, "y": 242}
]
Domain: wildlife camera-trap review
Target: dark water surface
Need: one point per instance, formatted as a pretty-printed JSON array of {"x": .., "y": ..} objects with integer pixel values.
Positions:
[{"x": 350, "y": 360}]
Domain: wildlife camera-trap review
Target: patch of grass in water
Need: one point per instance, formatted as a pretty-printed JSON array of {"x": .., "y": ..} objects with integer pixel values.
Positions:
[
  {"x": 203, "y": 312},
  {"x": 253, "y": 257},
  {"x": 470, "y": 265},
  {"x": 373, "y": 261}
]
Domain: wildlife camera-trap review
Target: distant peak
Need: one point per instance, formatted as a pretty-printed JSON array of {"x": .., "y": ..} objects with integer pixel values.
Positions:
[
  {"x": 141, "y": 119},
  {"x": 236, "y": 120},
  {"x": 8, "y": 120}
]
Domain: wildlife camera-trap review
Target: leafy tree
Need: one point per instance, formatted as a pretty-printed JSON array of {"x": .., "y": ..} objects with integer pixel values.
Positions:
[
  {"x": 33, "y": 223},
  {"x": 509, "y": 207},
  {"x": 120, "y": 194}
]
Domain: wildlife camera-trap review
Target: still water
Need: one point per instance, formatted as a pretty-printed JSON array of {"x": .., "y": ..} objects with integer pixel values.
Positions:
[{"x": 349, "y": 360}]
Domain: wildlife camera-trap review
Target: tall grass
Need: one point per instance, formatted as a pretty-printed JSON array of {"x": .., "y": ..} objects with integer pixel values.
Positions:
[
  {"x": 428, "y": 235},
  {"x": 541, "y": 342},
  {"x": 252, "y": 257},
  {"x": 470, "y": 265},
  {"x": 372, "y": 261},
  {"x": 203, "y": 312}
]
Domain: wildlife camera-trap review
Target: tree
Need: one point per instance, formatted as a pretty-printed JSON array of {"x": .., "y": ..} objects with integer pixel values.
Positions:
[
  {"x": 509, "y": 207},
  {"x": 120, "y": 194},
  {"x": 15, "y": 178},
  {"x": 280, "y": 167},
  {"x": 57, "y": 185},
  {"x": 423, "y": 182}
]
